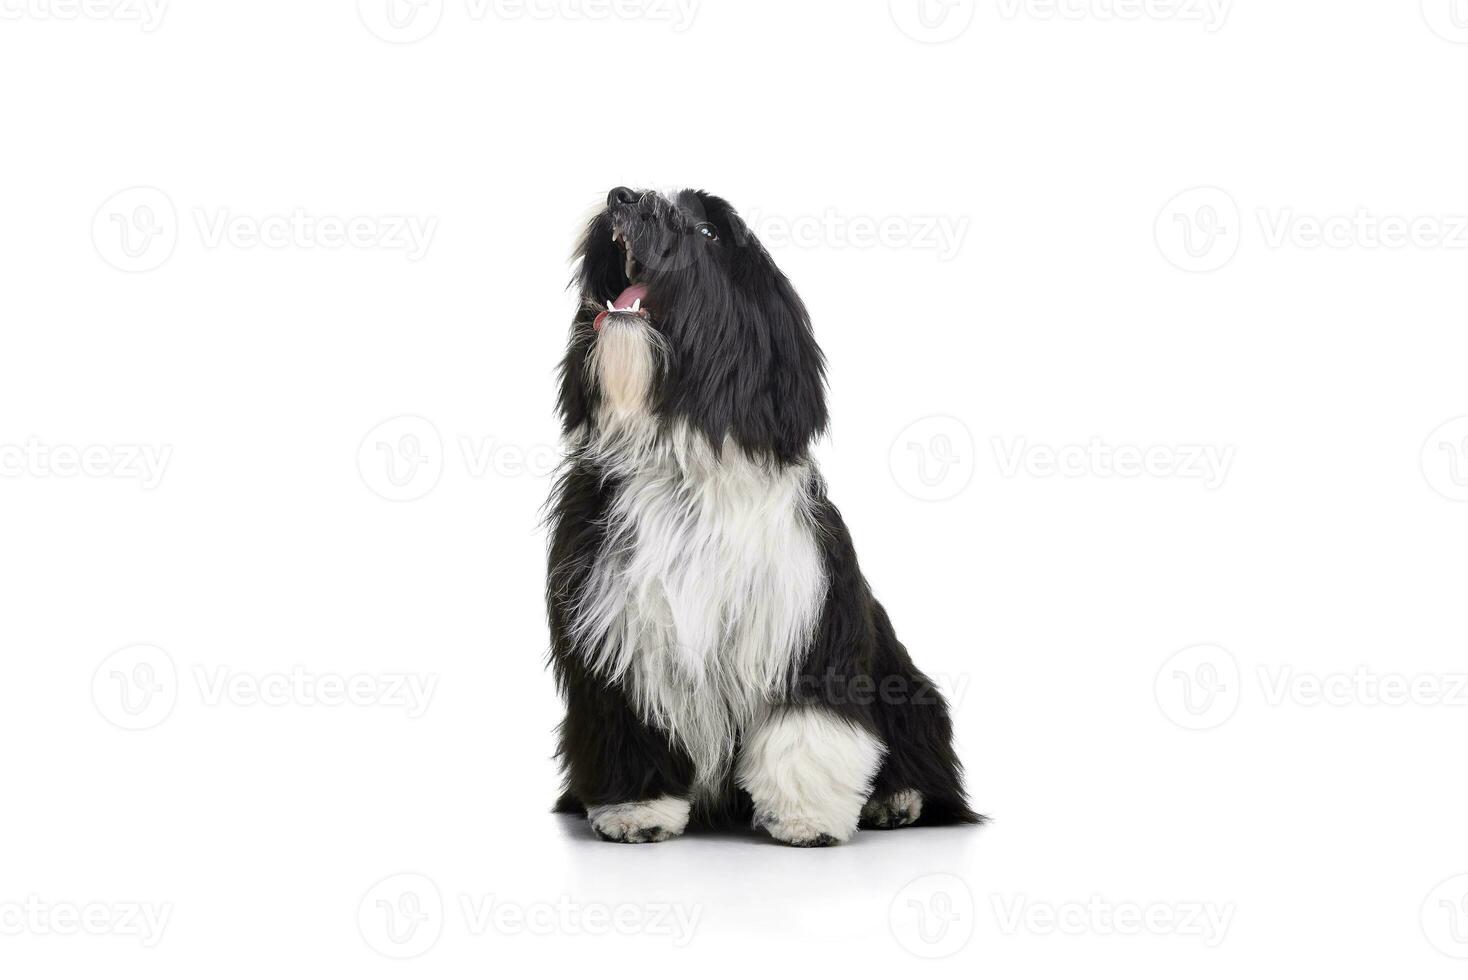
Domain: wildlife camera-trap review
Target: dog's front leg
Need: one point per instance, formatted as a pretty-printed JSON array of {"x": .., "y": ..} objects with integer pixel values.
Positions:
[
  {"x": 808, "y": 770},
  {"x": 633, "y": 785}
]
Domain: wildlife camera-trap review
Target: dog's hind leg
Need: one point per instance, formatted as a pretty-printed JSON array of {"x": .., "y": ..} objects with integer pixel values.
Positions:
[
  {"x": 920, "y": 781},
  {"x": 808, "y": 771}
]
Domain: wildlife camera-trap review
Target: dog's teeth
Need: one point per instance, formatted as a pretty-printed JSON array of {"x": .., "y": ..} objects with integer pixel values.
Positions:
[
  {"x": 636, "y": 305},
  {"x": 610, "y": 306}
]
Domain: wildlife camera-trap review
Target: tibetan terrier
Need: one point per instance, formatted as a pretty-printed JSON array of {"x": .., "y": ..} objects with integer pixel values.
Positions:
[{"x": 719, "y": 652}]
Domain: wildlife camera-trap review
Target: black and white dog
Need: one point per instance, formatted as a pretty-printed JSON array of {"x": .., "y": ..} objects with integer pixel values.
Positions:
[{"x": 719, "y": 652}]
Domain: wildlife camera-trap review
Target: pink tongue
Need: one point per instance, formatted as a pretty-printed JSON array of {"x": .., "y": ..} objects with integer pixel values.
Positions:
[{"x": 631, "y": 295}]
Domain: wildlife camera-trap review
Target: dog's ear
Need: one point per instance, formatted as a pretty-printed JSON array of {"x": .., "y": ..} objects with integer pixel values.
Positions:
[
  {"x": 748, "y": 366},
  {"x": 790, "y": 411}
]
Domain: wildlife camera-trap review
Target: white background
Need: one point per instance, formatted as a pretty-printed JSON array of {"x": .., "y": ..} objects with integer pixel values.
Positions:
[{"x": 1136, "y": 660}]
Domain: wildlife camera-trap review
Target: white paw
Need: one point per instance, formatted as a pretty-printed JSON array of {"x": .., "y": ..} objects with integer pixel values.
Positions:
[
  {"x": 801, "y": 831},
  {"x": 897, "y": 810},
  {"x": 639, "y": 823}
]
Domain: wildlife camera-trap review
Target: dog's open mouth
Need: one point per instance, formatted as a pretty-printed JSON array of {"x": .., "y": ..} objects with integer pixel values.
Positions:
[{"x": 631, "y": 301}]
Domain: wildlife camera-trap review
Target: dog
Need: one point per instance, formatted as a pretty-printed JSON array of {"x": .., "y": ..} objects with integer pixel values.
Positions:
[{"x": 718, "y": 651}]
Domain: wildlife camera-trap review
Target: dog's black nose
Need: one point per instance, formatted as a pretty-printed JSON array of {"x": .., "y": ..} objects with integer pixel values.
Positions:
[{"x": 621, "y": 195}]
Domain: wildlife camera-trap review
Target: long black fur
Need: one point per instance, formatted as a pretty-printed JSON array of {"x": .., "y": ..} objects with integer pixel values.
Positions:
[{"x": 743, "y": 363}]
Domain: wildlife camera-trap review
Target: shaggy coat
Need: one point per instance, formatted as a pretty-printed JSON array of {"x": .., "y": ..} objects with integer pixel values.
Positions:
[{"x": 719, "y": 653}]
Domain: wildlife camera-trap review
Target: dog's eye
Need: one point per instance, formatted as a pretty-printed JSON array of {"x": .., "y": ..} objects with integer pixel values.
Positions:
[{"x": 707, "y": 231}]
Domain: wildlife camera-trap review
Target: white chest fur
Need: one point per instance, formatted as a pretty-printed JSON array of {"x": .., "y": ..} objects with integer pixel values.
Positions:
[{"x": 707, "y": 591}]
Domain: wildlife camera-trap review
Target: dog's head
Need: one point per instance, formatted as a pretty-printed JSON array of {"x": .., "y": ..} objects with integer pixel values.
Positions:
[{"x": 686, "y": 319}]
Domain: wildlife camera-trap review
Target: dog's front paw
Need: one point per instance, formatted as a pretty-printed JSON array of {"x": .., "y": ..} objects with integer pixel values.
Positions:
[
  {"x": 639, "y": 823},
  {"x": 799, "y": 831},
  {"x": 898, "y": 810}
]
